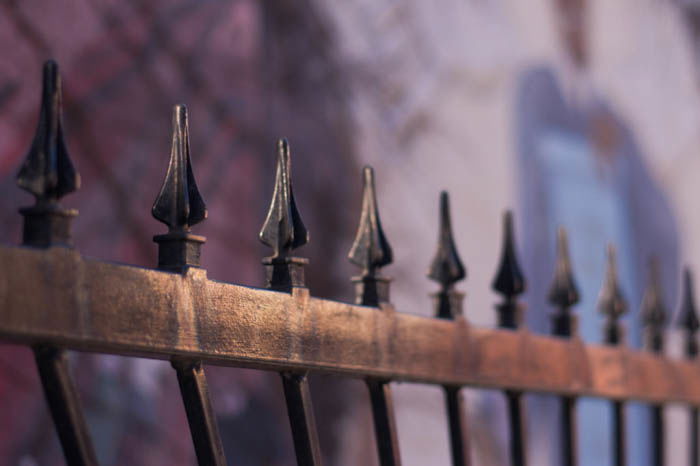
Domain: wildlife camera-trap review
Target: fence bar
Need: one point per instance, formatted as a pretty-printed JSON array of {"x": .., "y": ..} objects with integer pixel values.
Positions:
[
  {"x": 104, "y": 307},
  {"x": 518, "y": 433},
  {"x": 563, "y": 295},
  {"x": 180, "y": 206},
  {"x": 657, "y": 434},
  {"x": 619, "y": 434},
  {"x": 200, "y": 415},
  {"x": 64, "y": 405},
  {"x": 301, "y": 418},
  {"x": 384, "y": 422},
  {"x": 371, "y": 251},
  {"x": 612, "y": 305},
  {"x": 654, "y": 316},
  {"x": 447, "y": 269},
  {"x": 459, "y": 443},
  {"x": 284, "y": 231},
  {"x": 509, "y": 282},
  {"x": 568, "y": 433}
]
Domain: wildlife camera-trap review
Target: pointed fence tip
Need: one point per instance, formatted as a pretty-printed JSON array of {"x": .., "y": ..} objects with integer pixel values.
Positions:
[
  {"x": 509, "y": 280},
  {"x": 612, "y": 302},
  {"x": 47, "y": 171},
  {"x": 653, "y": 310},
  {"x": 447, "y": 267},
  {"x": 563, "y": 292},
  {"x": 370, "y": 249},
  {"x": 688, "y": 318},
  {"x": 283, "y": 229},
  {"x": 179, "y": 204}
]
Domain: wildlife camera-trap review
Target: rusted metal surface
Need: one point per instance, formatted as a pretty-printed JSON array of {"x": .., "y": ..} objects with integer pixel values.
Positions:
[{"x": 56, "y": 296}]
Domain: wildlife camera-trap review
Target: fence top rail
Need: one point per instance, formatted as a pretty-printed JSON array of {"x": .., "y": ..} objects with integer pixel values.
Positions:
[{"x": 57, "y": 296}]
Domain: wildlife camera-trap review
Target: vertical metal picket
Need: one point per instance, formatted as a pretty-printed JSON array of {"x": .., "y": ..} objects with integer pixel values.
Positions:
[
  {"x": 509, "y": 283},
  {"x": 653, "y": 314},
  {"x": 371, "y": 251},
  {"x": 612, "y": 305},
  {"x": 284, "y": 231},
  {"x": 447, "y": 269},
  {"x": 48, "y": 174},
  {"x": 180, "y": 206},
  {"x": 564, "y": 295}
]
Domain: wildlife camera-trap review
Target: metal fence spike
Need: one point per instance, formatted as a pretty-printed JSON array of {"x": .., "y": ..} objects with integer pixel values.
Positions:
[
  {"x": 283, "y": 229},
  {"x": 47, "y": 171},
  {"x": 563, "y": 292},
  {"x": 509, "y": 280},
  {"x": 611, "y": 302},
  {"x": 446, "y": 268},
  {"x": 653, "y": 310},
  {"x": 688, "y": 318},
  {"x": 370, "y": 250},
  {"x": 179, "y": 204}
]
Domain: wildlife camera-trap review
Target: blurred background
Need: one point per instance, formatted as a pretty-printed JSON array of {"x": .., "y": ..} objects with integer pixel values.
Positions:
[{"x": 579, "y": 113}]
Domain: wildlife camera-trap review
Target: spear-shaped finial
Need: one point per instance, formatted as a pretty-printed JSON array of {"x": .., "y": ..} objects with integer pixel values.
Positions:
[
  {"x": 48, "y": 172},
  {"x": 653, "y": 311},
  {"x": 446, "y": 268},
  {"x": 179, "y": 204},
  {"x": 688, "y": 318},
  {"x": 509, "y": 280},
  {"x": 563, "y": 293},
  {"x": 612, "y": 303},
  {"x": 370, "y": 250},
  {"x": 283, "y": 229}
]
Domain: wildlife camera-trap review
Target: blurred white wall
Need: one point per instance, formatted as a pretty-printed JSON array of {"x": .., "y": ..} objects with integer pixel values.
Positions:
[{"x": 434, "y": 107}]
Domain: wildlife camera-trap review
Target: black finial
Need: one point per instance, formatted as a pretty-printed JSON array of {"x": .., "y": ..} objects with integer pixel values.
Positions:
[
  {"x": 283, "y": 229},
  {"x": 563, "y": 293},
  {"x": 509, "y": 280},
  {"x": 653, "y": 311},
  {"x": 179, "y": 204},
  {"x": 48, "y": 172},
  {"x": 688, "y": 318},
  {"x": 611, "y": 302},
  {"x": 370, "y": 250},
  {"x": 446, "y": 268}
]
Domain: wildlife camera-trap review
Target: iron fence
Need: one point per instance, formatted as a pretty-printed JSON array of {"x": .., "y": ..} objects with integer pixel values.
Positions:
[{"x": 54, "y": 299}]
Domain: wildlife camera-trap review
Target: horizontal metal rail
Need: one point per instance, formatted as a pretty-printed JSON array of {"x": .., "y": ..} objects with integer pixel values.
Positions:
[{"x": 57, "y": 297}]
